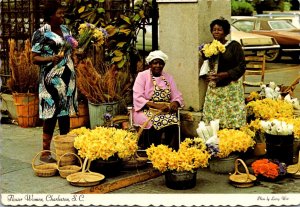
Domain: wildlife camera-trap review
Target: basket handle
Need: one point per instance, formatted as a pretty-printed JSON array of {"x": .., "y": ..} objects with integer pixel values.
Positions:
[
  {"x": 34, "y": 158},
  {"x": 67, "y": 154},
  {"x": 244, "y": 165}
]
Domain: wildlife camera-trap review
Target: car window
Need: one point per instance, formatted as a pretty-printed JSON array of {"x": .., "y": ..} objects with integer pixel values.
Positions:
[
  {"x": 278, "y": 25},
  {"x": 245, "y": 26}
]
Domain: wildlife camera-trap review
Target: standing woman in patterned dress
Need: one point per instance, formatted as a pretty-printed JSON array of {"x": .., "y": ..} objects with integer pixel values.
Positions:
[
  {"x": 57, "y": 86},
  {"x": 224, "y": 99}
]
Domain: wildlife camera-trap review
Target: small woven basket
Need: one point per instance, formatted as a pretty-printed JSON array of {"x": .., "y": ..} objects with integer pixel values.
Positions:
[
  {"x": 66, "y": 170},
  {"x": 294, "y": 170},
  {"x": 43, "y": 169},
  {"x": 85, "y": 178},
  {"x": 241, "y": 180}
]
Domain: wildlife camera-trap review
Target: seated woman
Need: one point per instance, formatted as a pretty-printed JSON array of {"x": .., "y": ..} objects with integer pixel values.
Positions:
[{"x": 156, "y": 97}]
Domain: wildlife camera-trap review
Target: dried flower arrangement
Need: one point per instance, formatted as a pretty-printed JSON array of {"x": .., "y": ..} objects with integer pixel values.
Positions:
[
  {"x": 24, "y": 74},
  {"x": 107, "y": 84}
]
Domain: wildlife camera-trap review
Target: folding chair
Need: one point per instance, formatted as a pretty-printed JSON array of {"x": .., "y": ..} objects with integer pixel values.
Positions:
[{"x": 255, "y": 66}]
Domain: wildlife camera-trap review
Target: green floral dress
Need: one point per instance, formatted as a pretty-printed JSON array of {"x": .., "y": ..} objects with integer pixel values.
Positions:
[{"x": 225, "y": 100}]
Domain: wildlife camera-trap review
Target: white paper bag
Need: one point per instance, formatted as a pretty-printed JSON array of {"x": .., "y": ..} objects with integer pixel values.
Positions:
[{"x": 204, "y": 68}]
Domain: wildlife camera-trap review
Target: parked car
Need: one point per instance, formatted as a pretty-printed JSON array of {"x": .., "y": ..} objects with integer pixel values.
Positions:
[
  {"x": 286, "y": 34},
  {"x": 251, "y": 43},
  {"x": 292, "y": 17}
]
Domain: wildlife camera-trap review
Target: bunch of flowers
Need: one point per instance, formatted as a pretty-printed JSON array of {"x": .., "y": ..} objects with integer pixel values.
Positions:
[
  {"x": 231, "y": 140},
  {"x": 295, "y": 122},
  {"x": 69, "y": 43},
  {"x": 268, "y": 108},
  {"x": 277, "y": 127},
  {"x": 104, "y": 143},
  {"x": 191, "y": 155},
  {"x": 213, "y": 48},
  {"x": 268, "y": 168},
  {"x": 89, "y": 34}
]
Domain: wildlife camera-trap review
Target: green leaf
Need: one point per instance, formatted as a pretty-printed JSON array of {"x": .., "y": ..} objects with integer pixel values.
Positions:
[
  {"x": 118, "y": 52},
  {"x": 100, "y": 10},
  {"x": 136, "y": 17},
  {"x": 81, "y": 9},
  {"x": 121, "y": 44},
  {"x": 141, "y": 13},
  {"x": 121, "y": 64},
  {"x": 126, "y": 19},
  {"x": 125, "y": 31},
  {"x": 101, "y": 1},
  {"x": 117, "y": 59}
]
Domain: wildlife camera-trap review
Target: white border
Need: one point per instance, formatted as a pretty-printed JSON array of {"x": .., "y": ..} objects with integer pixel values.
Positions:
[{"x": 151, "y": 199}]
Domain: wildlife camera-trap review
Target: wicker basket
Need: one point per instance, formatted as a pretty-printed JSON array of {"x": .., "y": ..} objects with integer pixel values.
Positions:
[
  {"x": 85, "y": 178},
  {"x": 43, "y": 169},
  {"x": 64, "y": 144},
  {"x": 66, "y": 170},
  {"x": 241, "y": 180},
  {"x": 294, "y": 170}
]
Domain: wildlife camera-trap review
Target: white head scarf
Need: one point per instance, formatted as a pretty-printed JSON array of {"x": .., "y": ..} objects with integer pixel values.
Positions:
[{"x": 157, "y": 54}]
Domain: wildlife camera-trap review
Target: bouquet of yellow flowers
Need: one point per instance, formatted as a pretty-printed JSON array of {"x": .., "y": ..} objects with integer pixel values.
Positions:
[
  {"x": 191, "y": 155},
  {"x": 213, "y": 48},
  {"x": 268, "y": 108},
  {"x": 89, "y": 34},
  {"x": 104, "y": 143},
  {"x": 231, "y": 140}
]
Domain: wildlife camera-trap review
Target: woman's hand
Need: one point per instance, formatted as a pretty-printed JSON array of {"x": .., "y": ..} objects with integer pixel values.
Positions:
[
  {"x": 174, "y": 106},
  {"x": 217, "y": 77},
  {"x": 56, "y": 59}
]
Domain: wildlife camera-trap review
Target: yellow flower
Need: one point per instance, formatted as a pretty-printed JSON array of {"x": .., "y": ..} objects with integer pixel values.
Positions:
[
  {"x": 191, "y": 155},
  {"x": 213, "y": 48},
  {"x": 103, "y": 142},
  {"x": 231, "y": 140}
]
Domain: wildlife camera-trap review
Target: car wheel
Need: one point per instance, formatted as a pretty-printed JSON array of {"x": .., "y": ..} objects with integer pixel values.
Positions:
[
  {"x": 296, "y": 58},
  {"x": 272, "y": 55}
]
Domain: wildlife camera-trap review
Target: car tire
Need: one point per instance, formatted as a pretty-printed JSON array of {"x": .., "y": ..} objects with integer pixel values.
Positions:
[
  {"x": 273, "y": 55},
  {"x": 296, "y": 58}
]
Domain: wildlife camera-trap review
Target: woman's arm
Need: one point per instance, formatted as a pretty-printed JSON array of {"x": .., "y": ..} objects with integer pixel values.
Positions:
[{"x": 39, "y": 60}]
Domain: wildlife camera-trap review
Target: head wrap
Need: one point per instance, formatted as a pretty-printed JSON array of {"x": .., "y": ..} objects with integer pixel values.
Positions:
[{"x": 157, "y": 54}]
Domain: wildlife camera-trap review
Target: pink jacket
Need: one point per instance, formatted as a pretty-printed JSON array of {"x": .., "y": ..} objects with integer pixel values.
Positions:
[{"x": 143, "y": 91}]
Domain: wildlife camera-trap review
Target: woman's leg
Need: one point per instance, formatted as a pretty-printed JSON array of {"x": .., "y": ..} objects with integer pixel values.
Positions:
[
  {"x": 48, "y": 130},
  {"x": 171, "y": 136},
  {"x": 64, "y": 124}
]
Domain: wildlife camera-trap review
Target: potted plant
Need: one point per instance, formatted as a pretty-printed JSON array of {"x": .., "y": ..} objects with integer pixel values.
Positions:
[
  {"x": 23, "y": 83},
  {"x": 180, "y": 167},
  {"x": 105, "y": 148},
  {"x": 224, "y": 150}
]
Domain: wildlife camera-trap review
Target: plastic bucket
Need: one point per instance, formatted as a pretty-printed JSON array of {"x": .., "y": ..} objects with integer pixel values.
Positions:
[
  {"x": 280, "y": 147},
  {"x": 97, "y": 112},
  {"x": 27, "y": 107}
]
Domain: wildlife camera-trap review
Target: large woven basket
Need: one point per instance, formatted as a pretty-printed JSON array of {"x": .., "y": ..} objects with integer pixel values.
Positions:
[
  {"x": 66, "y": 170},
  {"x": 85, "y": 178},
  {"x": 294, "y": 170},
  {"x": 65, "y": 144},
  {"x": 241, "y": 180},
  {"x": 43, "y": 169}
]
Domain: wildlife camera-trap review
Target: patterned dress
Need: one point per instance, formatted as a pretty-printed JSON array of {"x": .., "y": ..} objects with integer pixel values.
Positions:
[
  {"x": 57, "y": 84},
  {"x": 225, "y": 100},
  {"x": 161, "y": 95}
]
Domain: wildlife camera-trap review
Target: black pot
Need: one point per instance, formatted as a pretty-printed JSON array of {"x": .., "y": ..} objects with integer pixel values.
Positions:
[
  {"x": 109, "y": 168},
  {"x": 180, "y": 180},
  {"x": 280, "y": 147}
]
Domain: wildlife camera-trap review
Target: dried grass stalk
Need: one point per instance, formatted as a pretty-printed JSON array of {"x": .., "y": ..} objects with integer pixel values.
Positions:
[
  {"x": 97, "y": 87},
  {"x": 24, "y": 74}
]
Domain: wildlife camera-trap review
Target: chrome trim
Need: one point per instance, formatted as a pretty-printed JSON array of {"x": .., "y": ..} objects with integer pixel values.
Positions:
[
  {"x": 291, "y": 50},
  {"x": 261, "y": 47}
]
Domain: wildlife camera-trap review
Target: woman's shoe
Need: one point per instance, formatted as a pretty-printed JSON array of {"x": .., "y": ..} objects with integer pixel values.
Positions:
[{"x": 47, "y": 159}]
